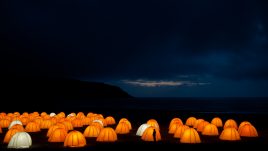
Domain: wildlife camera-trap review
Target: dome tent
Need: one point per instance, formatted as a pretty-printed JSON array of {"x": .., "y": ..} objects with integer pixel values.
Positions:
[
  {"x": 216, "y": 121},
  {"x": 18, "y": 126},
  {"x": 149, "y": 135},
  {"x": 197, "y": 122},
  {"x": 9, "y": 134},
  {"x": 98, "y": 121},
  {"x": 52, "y": 114},
  {"x": 210, "y": 130},
  {"x": 154, "y": 123},
  {"x": 91, "y": 131},
  {"x": 110, "y": 120},
  {"x": 107, "y": 134},
  {"x": 201, "y": 126},
  {"x": 230, "y": 134},
  {"x": 177, "y": 120},
  {"x": 75, "y": 139},
  {"x": 20, "y": 140},
  {"x": 248, "y": 130},
  {"x": 97, "y": 124},
  {"x": 127, "y": 121},
  {"x": 230, "y": 123},
  {"x": 243, "y": 123},
  {"x": 180, "y": 130},
  {"x": 141, "y": 129},
  {"x": 14, "y": 123},
  {"x": 51, "y": 129},
  {"x": 122, "y": 128},
  {"x": 191, "y": 136},
  {"x": 190, "y": 121},
  {"x": 173, "y": 127},
  {"x": 4, "y": 123},
  {"x": 58, "y": 135}
]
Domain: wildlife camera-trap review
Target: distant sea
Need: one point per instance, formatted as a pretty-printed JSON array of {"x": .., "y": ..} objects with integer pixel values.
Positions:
[{"x": 220, "y": 105}]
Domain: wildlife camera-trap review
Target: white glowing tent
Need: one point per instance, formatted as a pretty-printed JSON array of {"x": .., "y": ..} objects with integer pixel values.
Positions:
[
  {"x": 14, "y": 123},
  {"x": 141, "y": 129},
  {"x": 52, "y": 114},
  {"x": 98, "y": 121},
  {"x": 20, "y": 140}
]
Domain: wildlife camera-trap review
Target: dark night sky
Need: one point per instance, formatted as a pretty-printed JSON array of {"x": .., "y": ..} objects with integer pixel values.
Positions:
[{"x": 155, "y": 48}]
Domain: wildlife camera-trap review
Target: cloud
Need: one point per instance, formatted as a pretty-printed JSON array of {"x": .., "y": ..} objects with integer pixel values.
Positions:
[{"x": 160, "y": 83}]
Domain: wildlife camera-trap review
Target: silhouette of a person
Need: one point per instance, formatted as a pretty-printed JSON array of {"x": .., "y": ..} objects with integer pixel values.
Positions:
[{"x": 154, "y": 135}]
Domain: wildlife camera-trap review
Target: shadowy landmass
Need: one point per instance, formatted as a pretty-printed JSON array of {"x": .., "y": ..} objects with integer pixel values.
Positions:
[{"x": 48, "y": 91}]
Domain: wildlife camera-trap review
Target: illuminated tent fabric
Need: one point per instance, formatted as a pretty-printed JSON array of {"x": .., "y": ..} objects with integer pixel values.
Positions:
[
  {"x": 107, "y": 135},
  {"x": 180, "y": 130},
  {"x": 230, "y": 134},
  {"x": 75, "y": 139},
  {"x": 52, "y": 114},
  {"x": 91, "y": 131},
  {"x": 99, "y": 121},
  {"x": 243, "y": 123},
  {"x": 190, "y": 121},
  {"x": 141, "y": 129},
  {"x": 4, "y": 123},
  {"x": 9, "y": 134},
  {"x": 14, "y": 123},
  {"x": 230, "y": 123},
  {"x": 20, "y": 140},
  {"x": 110, "y": 120},
  {"x": 148, "y": 134},
  {"x": 248, "y": 130},
  {"x": 58, "y": 135},
  {"x": 154, "y": 123},
  {"x": 210, "y": 130},
  {"x": 197, "y": 122},
  {"x": 122, "y": 128},
  {"x": 177, "y": 120},
  {"x": 216, "y": 121},
  {"x": 190, "y": 136}
]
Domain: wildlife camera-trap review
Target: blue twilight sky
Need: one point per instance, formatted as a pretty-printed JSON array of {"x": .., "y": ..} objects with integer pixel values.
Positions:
[{"x": 150, "y": 48}]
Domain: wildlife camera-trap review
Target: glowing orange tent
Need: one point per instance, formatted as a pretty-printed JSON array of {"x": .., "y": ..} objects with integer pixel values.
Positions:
[
  {"x": 9, "y": 134},
  {"x": 18, "y": 126},
  {"x": 197, "y": 122},
  {"x": 210, "y": 130},
  {"x": 77, "y": 123},
  {"x": 4, "y": 123},
  {"x": 58, "y": 135},
  {"x": 51, "y": 129},
  {"x": 75, "y": 139},
  {"x": 216, "y": 121},
  {"x": 201, "y": 126},
  {"x": 107, "y": 135},
  {"x": 91, "y": 131},
  {"x": 32, "y": 127},
  {"x": 248, "y": 130},
  {"x": 127, "y": 121},
  {"x": 151, "y": 134},
  {"x": 46, "y": 124},
  {"x": 230, "y": 134},
  {"x": 180, "y": 130},
  {"x": 122, "y": 128},
  {"x": 176, "y": 119},
  {"x": 191, "y": 136},
  {"x": 230, "y": 123},
  {"x": 174, "y": 127},
  {"x": 110, "y": 120},
  {"x": 190, "y": 121},
  {"x": 153, "y": 122},
  {"x": 243, "y": 123}
]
